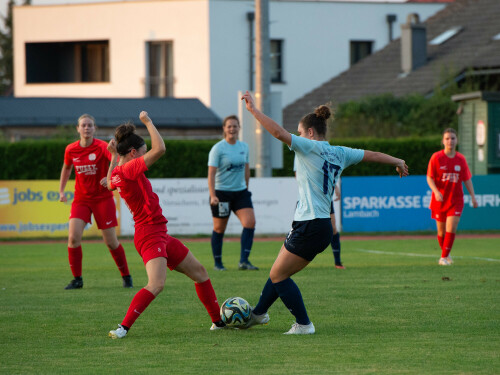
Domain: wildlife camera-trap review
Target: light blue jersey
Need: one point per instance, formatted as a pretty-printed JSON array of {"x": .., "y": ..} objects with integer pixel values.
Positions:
[
  {"x": 318, "y": 167},
  {"x": 230, "y": 161}
]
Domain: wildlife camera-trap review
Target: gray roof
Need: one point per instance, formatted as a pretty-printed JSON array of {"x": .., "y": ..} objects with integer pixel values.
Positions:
[
  {"x": 165, "y": 112},
  {"x": 472, "y": 48}
]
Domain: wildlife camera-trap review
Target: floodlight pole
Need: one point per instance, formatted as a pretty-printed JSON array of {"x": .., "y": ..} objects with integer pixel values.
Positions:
[{"x": 262, "y": 87}]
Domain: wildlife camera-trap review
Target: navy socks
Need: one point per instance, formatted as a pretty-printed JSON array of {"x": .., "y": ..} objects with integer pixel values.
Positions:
[
  {"x": 336, "y": 248},
  {"x": 217, "y": 247},
  {"x": 246, "y": 243},
  {"x": 267, "y": 298}
]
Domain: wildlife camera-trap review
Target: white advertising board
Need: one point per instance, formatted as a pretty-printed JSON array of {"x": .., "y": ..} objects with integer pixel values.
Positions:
[{"x": 185, "y": 205}]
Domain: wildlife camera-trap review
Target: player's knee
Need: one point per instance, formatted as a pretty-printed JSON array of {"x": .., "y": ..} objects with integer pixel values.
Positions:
[
  {"x": 155, "y": 287},
  {"x": 74, "y": 241}
]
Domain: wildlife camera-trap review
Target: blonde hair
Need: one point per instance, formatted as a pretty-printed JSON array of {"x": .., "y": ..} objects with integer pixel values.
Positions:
[{"x": 86, "y": 115}]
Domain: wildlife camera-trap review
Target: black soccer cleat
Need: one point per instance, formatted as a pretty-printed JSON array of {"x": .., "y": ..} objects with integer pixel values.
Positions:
[
  {"x": 76, "y": 283},
  {"x": 247, "y": 266},
  {"x": 127, "y": 281}
]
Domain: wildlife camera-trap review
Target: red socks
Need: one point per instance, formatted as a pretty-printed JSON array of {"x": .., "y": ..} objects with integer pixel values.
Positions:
[
  {"x": 207, "y": 296},
  {"x": 118, "y": 255},
  {"x": 139, "y": 303},
  {"x": 75, "y": 260},
  {"x": 447, "y": 244},
  {"x": 440, "y": 240}
]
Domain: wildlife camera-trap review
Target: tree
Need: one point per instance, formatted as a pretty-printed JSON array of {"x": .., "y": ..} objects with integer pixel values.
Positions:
[{"x": 6, "y": 51}]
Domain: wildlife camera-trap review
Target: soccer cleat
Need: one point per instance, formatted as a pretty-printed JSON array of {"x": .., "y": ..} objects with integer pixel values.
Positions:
[
  {"x": 76, "y": 283},
  {"x": 220, "y": 268},
  {"x": 301, "y": 329},
  {"x": 448, "y": 258},
  {"x": 339, "y": 266},
  {"x": 127, "y": 281},
  {"x": 444, "y": 262},
  {"x": 247, "y": 266},
  {"x": 218, "y": 325},
  {"x": 256, "y": 319},
  {"x": 118, "y": 333}
]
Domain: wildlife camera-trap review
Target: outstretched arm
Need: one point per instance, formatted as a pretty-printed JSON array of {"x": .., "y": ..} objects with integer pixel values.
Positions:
[
  {"x": 269, "y": 124},
  {"x": 157, "y": 144},
  {"x": 379, "y": 157}
]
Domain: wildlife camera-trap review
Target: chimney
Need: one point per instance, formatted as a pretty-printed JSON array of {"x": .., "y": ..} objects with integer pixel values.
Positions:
[{"x": 413, "y": 44}]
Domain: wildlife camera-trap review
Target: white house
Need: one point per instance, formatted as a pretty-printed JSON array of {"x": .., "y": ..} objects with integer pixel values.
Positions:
[{"x": 194, "y": 48}]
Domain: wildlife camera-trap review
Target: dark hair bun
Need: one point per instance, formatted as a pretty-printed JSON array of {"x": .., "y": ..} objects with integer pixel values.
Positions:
[
  {"x": 323, "y": 112},
  {"x": 123, "y": 131}
]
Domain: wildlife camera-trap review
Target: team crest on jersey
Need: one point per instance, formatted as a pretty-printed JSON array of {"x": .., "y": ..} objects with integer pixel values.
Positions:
[
  {"x": 457, "y": 168},
  {"x": 92, "y": 156}
]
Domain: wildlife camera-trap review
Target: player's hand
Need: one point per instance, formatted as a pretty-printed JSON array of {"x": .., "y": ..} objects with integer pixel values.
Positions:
[
  {"x": 62, "y": 197},
  {"x": 112, "y": 147},
  {"x": 474, "y": 203},
  {"x": 104, "y": 182},
  {"x": 214, "y": 201},
  {"x": 402, "y": 169},
  {"x": 438, "y": 196},
  {"x": 337, "y": 195},
  {"x": 250, "y": 104},
  {"x": 143, "y": 116}
]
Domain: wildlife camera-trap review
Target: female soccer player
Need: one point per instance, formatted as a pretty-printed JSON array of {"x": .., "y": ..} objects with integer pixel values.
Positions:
[
  {"x": 228, "y": 177},
  {"x": 157, "y": 249},
  {"x": 446, "y": 171},
  {"x": 90, "y": 158},
  {"x": 319, "y": 165}
]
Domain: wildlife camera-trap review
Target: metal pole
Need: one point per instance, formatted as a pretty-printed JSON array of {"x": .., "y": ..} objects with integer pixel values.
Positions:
[
  {"x": 250, "y": 19},
  {"x": 262, "y": 87}
]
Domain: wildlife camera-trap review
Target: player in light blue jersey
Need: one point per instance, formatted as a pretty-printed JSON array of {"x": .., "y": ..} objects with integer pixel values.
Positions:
[
  {"x": 228, "y": 178},
  {"x": 319, "y": 166}
]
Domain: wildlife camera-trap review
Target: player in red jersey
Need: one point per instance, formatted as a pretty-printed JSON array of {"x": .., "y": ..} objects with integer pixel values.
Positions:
[
  {"x": 90, "y": 158},
  {"x": 157, "y": 249},
  {"x": 446, "y": 171}
]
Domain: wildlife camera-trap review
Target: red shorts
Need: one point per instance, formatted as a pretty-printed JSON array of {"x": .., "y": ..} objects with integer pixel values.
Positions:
[
  {"x": 152, "y": 241},
  {"x": 441, "y": 216},
  {"x": 104, "y": 212}
]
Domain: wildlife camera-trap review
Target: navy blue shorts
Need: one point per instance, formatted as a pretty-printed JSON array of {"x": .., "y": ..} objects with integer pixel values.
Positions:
[
  {"x": 309, "y": 238},
  {"x": 231, "y": 201},
  {"x": 332, "y": 210}
]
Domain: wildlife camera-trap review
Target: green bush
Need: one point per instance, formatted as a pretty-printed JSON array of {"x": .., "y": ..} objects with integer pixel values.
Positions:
[{"x": 42, "y": 160}]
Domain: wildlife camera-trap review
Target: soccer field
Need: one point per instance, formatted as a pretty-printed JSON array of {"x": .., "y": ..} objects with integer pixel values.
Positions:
[{"x": 392, "y": 311}]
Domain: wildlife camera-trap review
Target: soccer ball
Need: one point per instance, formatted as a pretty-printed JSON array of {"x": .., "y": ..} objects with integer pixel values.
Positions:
[{"x": 235, "y": 312}]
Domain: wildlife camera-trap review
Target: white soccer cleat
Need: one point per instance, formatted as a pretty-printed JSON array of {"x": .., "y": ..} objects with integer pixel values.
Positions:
[
  {"x": 450, "y": 261},
  {"x": 257, "y": 319},
  {"x": 444, "y": 262},
  {"x": 301, "y": 329},
  {"x": 118, "y": 333}
]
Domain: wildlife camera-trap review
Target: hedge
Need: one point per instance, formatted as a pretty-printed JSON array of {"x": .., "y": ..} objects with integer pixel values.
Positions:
[{"x": 42, "y": 160}]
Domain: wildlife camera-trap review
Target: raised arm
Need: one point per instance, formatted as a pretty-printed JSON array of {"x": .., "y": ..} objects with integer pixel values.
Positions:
[
  {"x": 113, "y": 163},
  {"x": 379, "y": 157},
  {"x": 63, "y": 180},
  {"x": 157, "y": 144},
  {"x": 269, "y": 124}
]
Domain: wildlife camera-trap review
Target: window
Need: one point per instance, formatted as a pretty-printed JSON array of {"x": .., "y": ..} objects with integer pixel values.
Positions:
[
  {"x": 160, "y": 76},
  {"x": 276, "y": 61},
  {"x": 443, "y": 37},
  {"x": 360, "y": 49},
  {"x": 82, "y": 61}
]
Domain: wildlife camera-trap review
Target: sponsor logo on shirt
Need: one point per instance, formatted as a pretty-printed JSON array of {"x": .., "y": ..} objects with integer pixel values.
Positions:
[
  {"x": 76, "y": 160},
  {"x": 87, "y": 170},
  {"x": 452, "y": 177},
  {"x": 443, "y": 167}
]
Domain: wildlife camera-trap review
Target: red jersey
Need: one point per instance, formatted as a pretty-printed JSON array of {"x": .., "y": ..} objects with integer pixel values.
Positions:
[
  {"x": 91, "y": 165},
  {"x": 448, "y": 175},
  {"x": 136, "y": 190}
]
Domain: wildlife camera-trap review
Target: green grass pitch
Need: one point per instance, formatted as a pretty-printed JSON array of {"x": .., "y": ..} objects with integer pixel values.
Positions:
[{"x": 392, "y": 311}]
